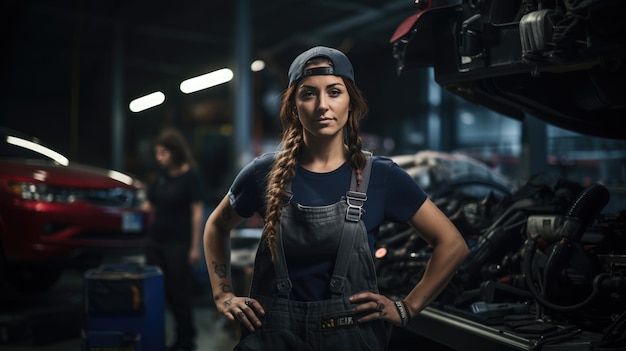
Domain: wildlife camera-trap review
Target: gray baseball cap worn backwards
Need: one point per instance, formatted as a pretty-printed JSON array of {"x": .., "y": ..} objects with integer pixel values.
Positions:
[{"x": 341, "y": 65}]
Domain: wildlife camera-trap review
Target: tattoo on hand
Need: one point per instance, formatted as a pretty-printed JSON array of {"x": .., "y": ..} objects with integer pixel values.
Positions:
[
  {"x": 220, "y": 269},
  {"x": 228, "y": 302},
  {"x": 226, "y": 288}
]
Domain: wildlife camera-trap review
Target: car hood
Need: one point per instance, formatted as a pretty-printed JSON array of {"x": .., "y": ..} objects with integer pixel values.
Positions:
[
  {"x": 524, "y": 61},
  {"x": 73, "y": 175},
  {"x": 433, "y": 169}
]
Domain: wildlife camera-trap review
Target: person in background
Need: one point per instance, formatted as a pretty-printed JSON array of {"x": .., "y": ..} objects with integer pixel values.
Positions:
[
  {"x": 323, "y": 200},
  {"x": 176, "y": 203}
]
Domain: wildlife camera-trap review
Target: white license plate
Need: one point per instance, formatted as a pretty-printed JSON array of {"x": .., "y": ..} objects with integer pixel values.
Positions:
[{"x": 132, "y": 222}]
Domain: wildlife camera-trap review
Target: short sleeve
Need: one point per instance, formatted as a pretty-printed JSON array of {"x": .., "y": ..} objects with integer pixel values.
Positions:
[
  {"x": 196, "y": 190},
  {"x": 403, "y": 197},
  {"x": 246, "y": 191}
]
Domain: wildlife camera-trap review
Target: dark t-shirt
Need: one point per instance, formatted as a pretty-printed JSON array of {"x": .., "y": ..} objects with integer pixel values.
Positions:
[
  {"x": 171, "y": 198},
  {"x": 392, "y": 195}
]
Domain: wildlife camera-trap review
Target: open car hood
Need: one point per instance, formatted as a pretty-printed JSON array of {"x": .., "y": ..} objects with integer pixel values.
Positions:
[{"x": 563, "y": 64}]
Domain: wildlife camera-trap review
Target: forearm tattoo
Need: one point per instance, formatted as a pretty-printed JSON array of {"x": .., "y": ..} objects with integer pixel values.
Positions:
[
  {"x": 226, "y": 288},
  {"x": 220, "y": 269}
]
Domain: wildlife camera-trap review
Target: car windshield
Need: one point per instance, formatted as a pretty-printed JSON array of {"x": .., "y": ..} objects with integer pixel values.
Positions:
[{"x": 14, "y": 145}]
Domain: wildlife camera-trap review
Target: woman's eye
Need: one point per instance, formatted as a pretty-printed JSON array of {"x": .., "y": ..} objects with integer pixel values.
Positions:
[
  {"x": 307, "y": 94},
  {"x": 334, "y": 92}
]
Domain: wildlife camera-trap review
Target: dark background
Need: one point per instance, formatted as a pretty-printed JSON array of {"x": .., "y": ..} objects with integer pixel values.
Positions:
[
  {"x": 57, "y": 68},
  {"x": 70, "y": 67},
  {"x": 62, "y": 58}
]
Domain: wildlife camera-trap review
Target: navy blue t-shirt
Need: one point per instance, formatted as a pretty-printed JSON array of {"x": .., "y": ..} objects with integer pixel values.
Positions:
[{"x": 392, "y": 195}]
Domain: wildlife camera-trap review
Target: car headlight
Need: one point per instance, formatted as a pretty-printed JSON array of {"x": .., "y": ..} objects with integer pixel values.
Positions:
[
  {"x": 141, "y": 195},
  {"x": 110, "y": 197},
  {"x": 43, "y": 192}
]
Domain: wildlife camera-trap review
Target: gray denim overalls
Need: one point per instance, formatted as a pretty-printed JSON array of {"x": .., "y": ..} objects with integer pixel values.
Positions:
[{"x": 320, "y": 325}]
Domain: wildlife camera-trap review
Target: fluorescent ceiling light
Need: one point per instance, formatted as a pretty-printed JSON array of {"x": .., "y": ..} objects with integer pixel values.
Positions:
[
  {"x": 205, "y": 81},
  {"x": 145, "y": 102},
  {"x": 257, "y": 65},
  {"x": 57, "y": 157}
]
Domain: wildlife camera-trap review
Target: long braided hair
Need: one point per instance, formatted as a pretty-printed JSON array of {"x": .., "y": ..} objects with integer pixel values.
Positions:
[{"x": 284, "y": 167}]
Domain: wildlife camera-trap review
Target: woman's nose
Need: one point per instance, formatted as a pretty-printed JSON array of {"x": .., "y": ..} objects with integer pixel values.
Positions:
[{"x": 323, "y": 104}]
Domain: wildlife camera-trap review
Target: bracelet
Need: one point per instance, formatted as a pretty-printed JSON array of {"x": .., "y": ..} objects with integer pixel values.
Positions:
[
  {"x": 401, "y": 312},
  {"x": 408, "y": 312}
]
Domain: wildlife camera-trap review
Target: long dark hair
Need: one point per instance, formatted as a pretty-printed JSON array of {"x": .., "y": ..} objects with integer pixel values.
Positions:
[{"x": 174, "y": 141}]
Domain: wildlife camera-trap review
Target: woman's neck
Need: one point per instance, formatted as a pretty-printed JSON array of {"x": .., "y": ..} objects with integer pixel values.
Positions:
[{"x": 323, "y": 158}]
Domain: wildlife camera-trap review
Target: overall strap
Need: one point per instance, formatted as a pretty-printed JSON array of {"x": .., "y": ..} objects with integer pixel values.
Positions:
[
  {"x": 351, "y": 226},
  {"x": 283, "y": 283},
  {"x": 354, "y": 198}
]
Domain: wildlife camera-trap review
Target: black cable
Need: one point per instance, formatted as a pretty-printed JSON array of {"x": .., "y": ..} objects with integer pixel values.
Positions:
[{"x": 527, "y": 268}]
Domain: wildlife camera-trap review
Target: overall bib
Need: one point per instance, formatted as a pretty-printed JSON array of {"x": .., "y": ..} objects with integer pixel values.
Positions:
[{"x": 319, "y": 325}]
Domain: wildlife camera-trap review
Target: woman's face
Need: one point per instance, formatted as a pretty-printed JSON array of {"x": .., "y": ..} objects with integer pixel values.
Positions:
[
  {"x": 163, "y": 156},
  {"x": 323, "y": 104}
]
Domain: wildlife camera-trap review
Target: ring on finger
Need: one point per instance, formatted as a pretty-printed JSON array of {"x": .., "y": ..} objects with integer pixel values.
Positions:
[
  {"x": 247, "y": 302},
  {"x": 379, "y": 306}
]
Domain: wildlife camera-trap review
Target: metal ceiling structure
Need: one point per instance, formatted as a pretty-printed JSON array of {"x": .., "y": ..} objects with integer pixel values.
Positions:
[{"x": 167, "y": 41}]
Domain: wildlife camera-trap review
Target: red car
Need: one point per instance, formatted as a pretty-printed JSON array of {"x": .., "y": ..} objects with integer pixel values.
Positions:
[{"x": 55, "y": 214}]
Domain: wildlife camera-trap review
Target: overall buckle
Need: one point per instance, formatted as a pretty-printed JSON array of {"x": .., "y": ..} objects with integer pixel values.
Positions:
[{"x": 355, "y": 201}]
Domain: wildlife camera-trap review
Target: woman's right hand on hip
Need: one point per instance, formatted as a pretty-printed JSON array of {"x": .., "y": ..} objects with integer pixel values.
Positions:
[{"x": 245, "y": 310}]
